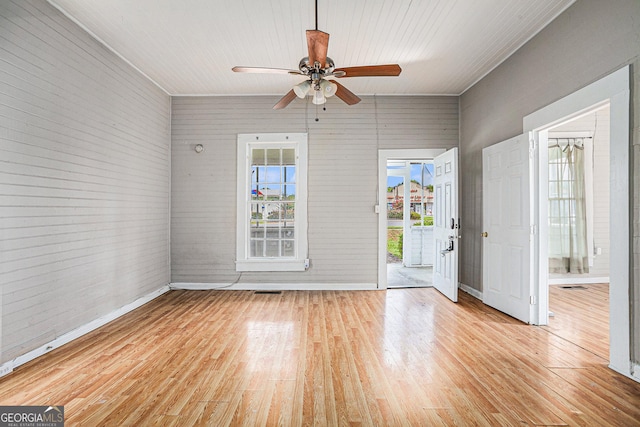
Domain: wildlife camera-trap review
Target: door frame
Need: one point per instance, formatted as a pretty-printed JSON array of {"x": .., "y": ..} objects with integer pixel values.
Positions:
[
  {"x": 381, "y": 206},
  {"x": 614, "y": 90}
]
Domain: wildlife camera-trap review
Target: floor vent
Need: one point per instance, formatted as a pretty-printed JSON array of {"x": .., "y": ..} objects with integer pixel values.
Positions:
[
  {"x": 573, "y": 287},
  {"x": 268, "y": 292}
]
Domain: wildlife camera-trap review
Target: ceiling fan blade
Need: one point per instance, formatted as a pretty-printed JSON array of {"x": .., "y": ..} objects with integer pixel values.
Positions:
[
  {"x": 285, "y": 100},
  {"x": 345, "y": 94},
  {"x": 263, "y": 70},
  {"x": 318, "y": 44},
  {"x": 369, "y": 71}
]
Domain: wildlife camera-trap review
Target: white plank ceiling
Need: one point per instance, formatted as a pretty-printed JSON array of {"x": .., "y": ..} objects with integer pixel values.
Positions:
[{"x": 188, "y": 47}]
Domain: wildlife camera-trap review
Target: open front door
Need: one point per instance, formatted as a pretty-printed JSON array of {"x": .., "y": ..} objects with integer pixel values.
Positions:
[
  {"x": 446, "y": 224},
  {"x": 506, "y": 220}
]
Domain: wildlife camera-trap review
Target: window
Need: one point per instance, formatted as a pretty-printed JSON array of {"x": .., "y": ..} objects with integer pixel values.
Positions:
[
  {"x": 570, "y": 202},
  {"x": 272, "y": 202}
]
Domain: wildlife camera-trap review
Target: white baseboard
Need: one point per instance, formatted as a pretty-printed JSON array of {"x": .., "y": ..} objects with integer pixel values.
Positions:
[
  {"x": 10, "y": 365},
  {"x": 471, "y": 291},
  {"x": 578, "y": 280},
  {"x": 635, "y": 372},
  {"x": 275, "y": 286}
]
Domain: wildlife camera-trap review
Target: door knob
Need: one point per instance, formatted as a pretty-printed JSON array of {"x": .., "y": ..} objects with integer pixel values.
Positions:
[{"x": 484, "y": 234}]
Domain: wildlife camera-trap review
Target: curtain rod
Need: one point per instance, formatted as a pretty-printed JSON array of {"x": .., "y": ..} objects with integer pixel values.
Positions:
[{"x": 555, "y": 142}]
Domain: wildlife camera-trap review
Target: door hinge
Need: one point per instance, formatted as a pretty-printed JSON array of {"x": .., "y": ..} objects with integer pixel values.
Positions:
[
  {"x": 532, "y": 148},
  {"x": 533, "y": 229},
  {"x": 532, "y": 300}
]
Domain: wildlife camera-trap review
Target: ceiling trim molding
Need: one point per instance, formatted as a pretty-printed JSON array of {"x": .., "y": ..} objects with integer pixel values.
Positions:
[{"x": 280, "y": 95}]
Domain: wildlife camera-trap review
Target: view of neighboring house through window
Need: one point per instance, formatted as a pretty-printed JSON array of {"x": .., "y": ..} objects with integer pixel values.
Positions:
[
  {"x": 421, "y": 191},
  {"x": 272, "y": 202}
]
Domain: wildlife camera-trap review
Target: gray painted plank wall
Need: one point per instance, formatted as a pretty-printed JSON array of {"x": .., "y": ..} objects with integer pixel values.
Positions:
[
  {"x": 588, "y": 41},
  {"x": 343, "y": 156},
  {"x": 84, "y": 179}
]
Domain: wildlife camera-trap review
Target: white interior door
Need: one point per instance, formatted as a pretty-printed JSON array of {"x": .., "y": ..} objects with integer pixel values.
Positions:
[
  {"x": 446, "y": 224},
  {"x": 506, "y": 218}
]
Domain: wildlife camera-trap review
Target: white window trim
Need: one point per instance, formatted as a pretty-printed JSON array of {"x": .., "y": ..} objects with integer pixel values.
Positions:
[{"x": 245, "y": 143}]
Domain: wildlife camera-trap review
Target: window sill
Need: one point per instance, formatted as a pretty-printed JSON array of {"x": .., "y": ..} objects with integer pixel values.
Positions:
[{"x": 270, "y": 265}]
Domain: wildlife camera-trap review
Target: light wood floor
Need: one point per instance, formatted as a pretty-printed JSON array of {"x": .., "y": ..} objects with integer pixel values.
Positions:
[
  {"x": 397, "y": 357},
  {"x": 581, "y": 316}
]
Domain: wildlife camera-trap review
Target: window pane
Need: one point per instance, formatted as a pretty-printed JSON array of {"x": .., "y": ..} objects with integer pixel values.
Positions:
[
  {"x": 289, "y": 211},
  {"x": 288, "y": 248},
  {"x": 289, "y": 174},
  {"x": 274, "y": 211},
  {"x": 258, "y": 174},
  {"x": 256, "y": 193},
  {"x": 288, "y": 156},
  {"x": 287, "y": 232},
  {"x": 273, "y": 175},
  {"x": 273, "y": 156},
  {"x": 257, "y": 156},
  {"x": 272, "y": 248},
  {"x": 289, "y": 192},
  {"x": 272, "y": 231},
  {"x": 257, "y": 233},
  {"x": 256, "y": 211},
  {"x": 257, "y": 248}
]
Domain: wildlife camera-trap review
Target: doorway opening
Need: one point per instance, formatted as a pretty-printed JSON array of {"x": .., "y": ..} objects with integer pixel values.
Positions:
[
  {"x": 397, "y": 163},
  {"x": 578, "y": 230},
  {"x": 409, "y": 206},
  {"x": 612, "y": 90}
]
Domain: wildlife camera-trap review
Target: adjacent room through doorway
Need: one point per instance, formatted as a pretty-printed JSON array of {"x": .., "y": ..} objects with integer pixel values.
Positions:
[
  {"x": 578, "y": 221},
  {"x": 613, "y": 91}
]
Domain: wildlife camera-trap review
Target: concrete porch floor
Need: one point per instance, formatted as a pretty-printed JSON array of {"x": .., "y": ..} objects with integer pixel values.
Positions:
[{"x": 399, "y": 276}]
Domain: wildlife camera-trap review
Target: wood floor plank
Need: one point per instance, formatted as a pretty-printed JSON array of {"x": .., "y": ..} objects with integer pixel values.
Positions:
[
  {"x": 402, "y": 357},
  {"x": 581, "y": 315}
]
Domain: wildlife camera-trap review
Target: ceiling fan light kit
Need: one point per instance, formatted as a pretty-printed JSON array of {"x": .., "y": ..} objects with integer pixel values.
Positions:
[
  {"x": 302, "y": 89},
  {"x": 318, "y": 67},
  {"x": 328, "y": 88},
  {"x": 318, "y": 98}
]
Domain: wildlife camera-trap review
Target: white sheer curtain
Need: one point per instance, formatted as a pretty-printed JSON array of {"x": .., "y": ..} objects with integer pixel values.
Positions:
[{"x": 568, "y": 248}]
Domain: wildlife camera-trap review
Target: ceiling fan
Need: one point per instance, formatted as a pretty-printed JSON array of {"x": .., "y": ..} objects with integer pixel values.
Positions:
[{"x": 318, "y": 68}]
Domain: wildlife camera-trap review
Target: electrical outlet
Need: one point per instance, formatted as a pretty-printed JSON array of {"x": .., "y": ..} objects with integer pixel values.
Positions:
[
  {"x": 5, "y": 370},
  {"x": 306, "y": 263}
]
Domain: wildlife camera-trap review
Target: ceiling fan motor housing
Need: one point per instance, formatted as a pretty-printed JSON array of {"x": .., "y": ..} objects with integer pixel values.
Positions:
[{"x": 307, "y": 69}]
